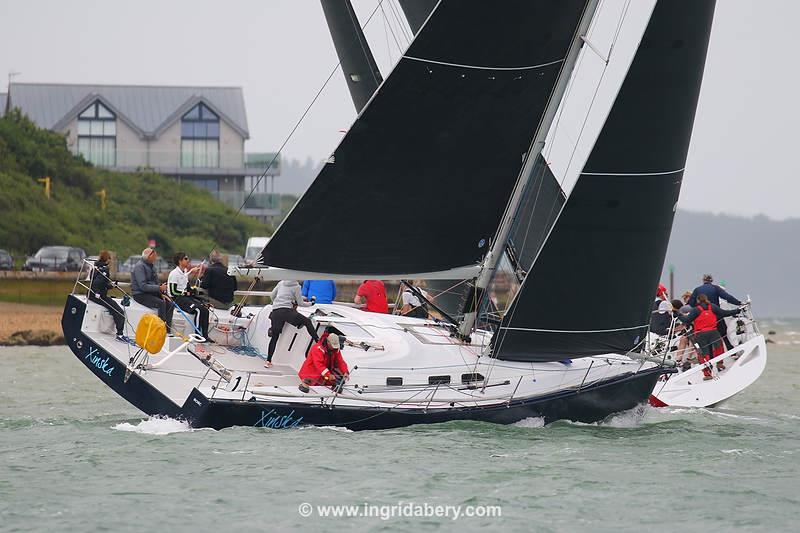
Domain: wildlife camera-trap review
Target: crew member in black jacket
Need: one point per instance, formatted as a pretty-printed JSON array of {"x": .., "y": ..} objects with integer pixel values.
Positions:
[
  {"x": 218, "y": 283},
  {"x": 98, "y": 292}
]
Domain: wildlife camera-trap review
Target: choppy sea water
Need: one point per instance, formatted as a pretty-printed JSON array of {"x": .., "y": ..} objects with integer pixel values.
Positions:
[{"x": 74, "y": 456}]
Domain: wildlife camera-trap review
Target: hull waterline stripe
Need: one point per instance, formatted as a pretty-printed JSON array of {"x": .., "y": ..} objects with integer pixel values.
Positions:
[
  {"x": 574, "y": 330},
  {"x": 482, "y": 67},
  {"x": 633, "y": 173}
]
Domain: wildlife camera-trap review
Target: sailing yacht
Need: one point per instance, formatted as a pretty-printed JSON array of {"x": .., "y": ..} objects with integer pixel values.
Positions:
[{"x": 456, "y": 131}]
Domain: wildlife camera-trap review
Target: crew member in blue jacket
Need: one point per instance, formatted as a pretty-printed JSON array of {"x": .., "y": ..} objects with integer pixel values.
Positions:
[
  {"x": 323, "y": 289},
  {"x": 714, "y": 293}
]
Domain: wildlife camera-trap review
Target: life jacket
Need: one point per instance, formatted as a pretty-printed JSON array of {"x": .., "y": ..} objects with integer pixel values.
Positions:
[{"x": 706, "y": 320}]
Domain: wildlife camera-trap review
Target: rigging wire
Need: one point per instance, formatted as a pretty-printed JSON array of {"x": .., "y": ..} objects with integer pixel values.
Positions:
[
  {"x": 570, "y": 85},
  {"x": 403, "y": 28},
  {"x": 596, "y": 91},
  {"x": 296, "y": 126},
  {"x": 391, "y": 30},
  {"x": 386, "y": 34}
]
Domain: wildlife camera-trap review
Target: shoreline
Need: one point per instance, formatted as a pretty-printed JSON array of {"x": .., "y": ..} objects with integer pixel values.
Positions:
[{"x": 30, "y": 325}]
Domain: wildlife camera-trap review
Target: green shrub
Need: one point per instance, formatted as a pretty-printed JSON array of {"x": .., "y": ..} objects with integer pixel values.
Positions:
[{"x": 140, "y": 206}]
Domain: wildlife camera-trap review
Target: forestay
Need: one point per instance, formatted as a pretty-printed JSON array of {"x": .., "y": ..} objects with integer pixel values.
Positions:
[
  {"x": 420, "y": 181},
  {"x": 590, "y": 289}
]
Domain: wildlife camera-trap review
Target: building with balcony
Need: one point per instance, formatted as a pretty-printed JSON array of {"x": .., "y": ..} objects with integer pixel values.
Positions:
[{"x": 194, "y": 134}]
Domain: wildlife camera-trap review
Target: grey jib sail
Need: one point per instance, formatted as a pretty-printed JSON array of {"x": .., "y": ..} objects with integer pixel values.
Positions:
[
  {"x": 420, "y": 181},
  {"x": 537, "y": 213},
  {"x": 358, "y": 65},
  {"x": 589, "y": 291}
]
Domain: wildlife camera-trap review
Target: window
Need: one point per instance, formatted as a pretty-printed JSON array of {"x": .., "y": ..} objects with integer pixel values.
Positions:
[
  {"x": 200, "y": 138},
  {"x": 472, "y": 377},
  {"x": 210, "y": 184},
  {"x": 97, "y": 135},
  {"x": 348, "y": 329}
]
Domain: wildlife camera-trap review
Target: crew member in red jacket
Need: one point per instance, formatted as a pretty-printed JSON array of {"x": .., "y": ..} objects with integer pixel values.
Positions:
[
  {"x": 704, "y": 318},
  {"x": 372, "y": 294},
  {"x": 324, "y": 363}
]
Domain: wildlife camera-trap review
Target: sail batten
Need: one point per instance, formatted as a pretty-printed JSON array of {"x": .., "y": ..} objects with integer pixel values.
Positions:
[
  {"x": 422, "y": 178},
  {"x": 663, "y": 173},
  {"x": 274, "y": 273},
  {"x": 484, "y": 67}
]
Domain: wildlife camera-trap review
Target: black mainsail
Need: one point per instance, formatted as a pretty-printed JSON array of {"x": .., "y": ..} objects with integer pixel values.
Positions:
[
  {"x": 355, "y": 56},
  {"x": 422, "y": 178},
  {"x": 590, "y": 289}
]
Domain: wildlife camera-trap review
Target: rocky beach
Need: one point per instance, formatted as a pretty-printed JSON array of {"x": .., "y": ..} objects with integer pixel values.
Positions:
[{"x": 26, "y": 324}]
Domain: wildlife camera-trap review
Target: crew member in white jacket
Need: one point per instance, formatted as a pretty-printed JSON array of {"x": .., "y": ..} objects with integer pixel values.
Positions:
[{"x": 181, "y": 294}]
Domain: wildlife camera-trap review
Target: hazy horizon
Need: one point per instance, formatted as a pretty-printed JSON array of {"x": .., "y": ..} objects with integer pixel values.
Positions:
[{"x": 280, "y": 52}]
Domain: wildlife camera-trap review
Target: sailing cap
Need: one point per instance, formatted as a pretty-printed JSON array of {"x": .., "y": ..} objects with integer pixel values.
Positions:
[
  {"x": 661, "y": 290},
  {"x": 333, "y": 340}
]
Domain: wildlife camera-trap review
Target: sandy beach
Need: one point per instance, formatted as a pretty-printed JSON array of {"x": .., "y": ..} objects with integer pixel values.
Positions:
[{"x": 17, "y": 317}]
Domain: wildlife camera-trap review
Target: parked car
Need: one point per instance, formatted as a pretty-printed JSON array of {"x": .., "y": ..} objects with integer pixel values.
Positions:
[
  {"x": 127, "y": 265},
  {"x": 56, "y": 259},
  {"x": 235, "y": 260},
  {"x": 6, "y": 261},
  {"x": 254, "y": 247}
]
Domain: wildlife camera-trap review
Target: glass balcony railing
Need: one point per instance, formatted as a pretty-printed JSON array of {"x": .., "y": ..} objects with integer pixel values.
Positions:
[
  {"x": 260, "y": 160},
  {"x": 258, "y": 201},
  {"x": 177, "y": 162}
]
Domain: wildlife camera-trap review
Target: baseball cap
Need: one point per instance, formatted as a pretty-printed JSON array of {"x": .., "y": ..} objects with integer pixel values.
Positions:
[{"x": 333, "y": 340}]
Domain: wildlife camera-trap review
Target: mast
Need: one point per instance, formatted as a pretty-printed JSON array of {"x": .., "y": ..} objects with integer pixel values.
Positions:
[
  {"x": 358, "y": 64},
  {"x": 498, "y": 246}
]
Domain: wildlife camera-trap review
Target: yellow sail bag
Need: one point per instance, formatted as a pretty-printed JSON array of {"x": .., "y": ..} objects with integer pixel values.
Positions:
[{"x": 151, "y": 333}]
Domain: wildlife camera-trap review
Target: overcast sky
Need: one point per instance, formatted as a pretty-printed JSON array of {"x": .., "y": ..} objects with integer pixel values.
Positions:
[{"x": 741, "y": 159}]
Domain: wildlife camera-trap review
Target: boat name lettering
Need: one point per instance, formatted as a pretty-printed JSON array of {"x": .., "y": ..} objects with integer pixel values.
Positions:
[
  {"x": 100, "y": 364},
  {"x": 271, "y": 419}
]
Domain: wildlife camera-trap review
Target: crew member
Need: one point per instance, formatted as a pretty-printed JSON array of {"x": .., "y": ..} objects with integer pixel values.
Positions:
[
  {"x": 286, "y": 297},
  {"x": 324, "y": 290},
  {"x": 98, "y": 293},
  {"x": 704, "y": 317},
  {"x": 218, "y": 284},
  {"x": 685, "y": 341},
  {"x": 661, "y": 316},
  {"x": 412, "y": 305},
  {"x": 714, "y": 293},
  {"x": 178, "y": 289},
  {"x": 324, "y": 364},
  {"x": 372, "y": 294},
  {"x": 145, "y": 288}
]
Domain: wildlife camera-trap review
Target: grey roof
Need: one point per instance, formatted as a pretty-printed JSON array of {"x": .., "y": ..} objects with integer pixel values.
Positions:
[
  {"x": 2, "y": 103},
  {"x": 147, "y": 109}
]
